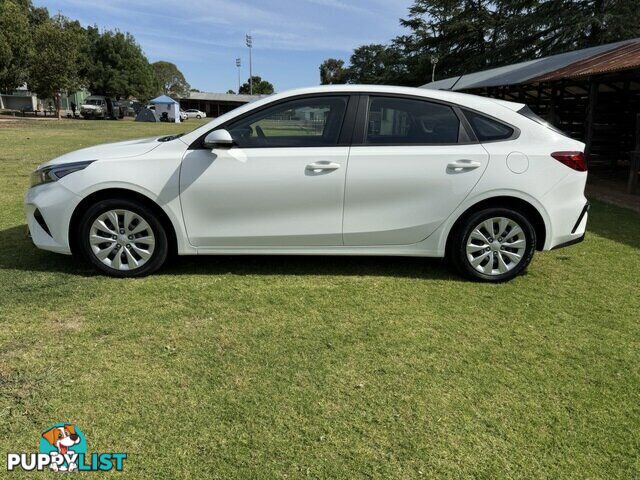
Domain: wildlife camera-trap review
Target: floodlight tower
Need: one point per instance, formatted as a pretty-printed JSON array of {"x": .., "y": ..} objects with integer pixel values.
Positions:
[
  {"x": 249, "y": 42},
  {"x": 238, "y": 64}
]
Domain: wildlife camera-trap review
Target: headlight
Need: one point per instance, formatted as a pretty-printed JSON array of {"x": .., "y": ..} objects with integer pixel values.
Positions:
[{"x": 54, "y": 173}]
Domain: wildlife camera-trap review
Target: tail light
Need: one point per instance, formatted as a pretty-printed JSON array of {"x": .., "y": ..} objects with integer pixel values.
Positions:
[{"x": 575, "y": 160}]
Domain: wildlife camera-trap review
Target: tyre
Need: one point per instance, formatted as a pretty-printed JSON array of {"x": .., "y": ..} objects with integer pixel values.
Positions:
[
  {"x": 493, "y": 245},
  {"x": 122, "y": 238},
  {"x": 198, "y": 117}
]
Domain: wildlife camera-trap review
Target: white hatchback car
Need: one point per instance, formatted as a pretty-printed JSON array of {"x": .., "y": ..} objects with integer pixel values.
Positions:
[{"x": 338, "y": 170}]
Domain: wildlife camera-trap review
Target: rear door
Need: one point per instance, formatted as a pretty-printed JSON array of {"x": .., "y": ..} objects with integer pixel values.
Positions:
[{"x": 412, "y": 163}]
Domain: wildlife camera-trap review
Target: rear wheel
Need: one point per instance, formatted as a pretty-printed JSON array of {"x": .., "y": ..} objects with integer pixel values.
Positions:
[
  {"x": 493, "y": 245},
  {"x": 122, "y": 238}
]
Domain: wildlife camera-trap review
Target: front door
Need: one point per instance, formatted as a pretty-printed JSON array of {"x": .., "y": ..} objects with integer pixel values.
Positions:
[
  {"x": 282, "y": 184},
  {"x": 411, "y": 169}
]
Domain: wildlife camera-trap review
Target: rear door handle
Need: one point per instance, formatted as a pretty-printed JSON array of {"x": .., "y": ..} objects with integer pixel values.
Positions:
[
  {"x": 321, "y": 166},
  {"x": 462, "y": 165}
]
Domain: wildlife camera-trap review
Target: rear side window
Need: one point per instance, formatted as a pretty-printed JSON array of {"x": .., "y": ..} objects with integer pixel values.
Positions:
[
  {"x": 403, "y": 121},
  {"x": 487, "y": 129}
]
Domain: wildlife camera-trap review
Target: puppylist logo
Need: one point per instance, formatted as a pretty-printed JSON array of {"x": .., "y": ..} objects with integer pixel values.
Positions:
[{"x": 63, "y": 448}]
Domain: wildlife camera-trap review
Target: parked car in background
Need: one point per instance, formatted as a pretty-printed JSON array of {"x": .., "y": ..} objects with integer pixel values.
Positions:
[
  {"x": 101, "y": 107},
  {"x": 194, "y": 113},
  {"x": 184, "y": 116},
  {"x": 333, "y": 170}
]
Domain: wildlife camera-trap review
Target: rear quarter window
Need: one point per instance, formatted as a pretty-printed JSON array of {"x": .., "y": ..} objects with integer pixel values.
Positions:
[{"x": 487, "y": 129}]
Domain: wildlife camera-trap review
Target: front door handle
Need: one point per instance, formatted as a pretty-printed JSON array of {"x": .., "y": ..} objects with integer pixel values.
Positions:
[
  {"x": 322, "y": 166},
  {"x": 462, "y": 165}
]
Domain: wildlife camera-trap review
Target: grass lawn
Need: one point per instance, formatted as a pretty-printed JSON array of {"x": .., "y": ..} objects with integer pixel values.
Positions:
[{"x": 281, "y": 367}]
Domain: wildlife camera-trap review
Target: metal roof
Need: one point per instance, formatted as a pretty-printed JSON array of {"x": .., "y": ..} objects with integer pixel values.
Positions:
[
  {"x": 610, "y": 57},
  {"x": 621, "y": 58},
  {"x": 222, "y": 97}
]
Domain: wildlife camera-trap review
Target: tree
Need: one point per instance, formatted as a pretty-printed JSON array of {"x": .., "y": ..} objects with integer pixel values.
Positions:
[
  {"x": 376, "y": 64},
  {"x": 117, "y": 67},
  {"x": 231, "y": 92},
  {"x": 16, "y": 45},
  {"x": 54, "y": 66},
  {"x": 260, "y": 87},
  {"x": 332, "y": 72},
  {"x": 472, "y": 35},
  {"x": 170, "y": 79}
]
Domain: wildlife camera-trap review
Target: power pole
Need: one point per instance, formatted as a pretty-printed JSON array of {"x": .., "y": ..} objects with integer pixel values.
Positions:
[
  {"x": 434, "y": 62},
  {"x": 249, "y": 42},
  {"x": 238, "y": 64}
]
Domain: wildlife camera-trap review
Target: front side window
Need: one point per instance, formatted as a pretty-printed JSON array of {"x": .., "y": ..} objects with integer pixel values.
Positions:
[
  {"x": 403, "y": 121},
  {"x": 306, "y": 122}
]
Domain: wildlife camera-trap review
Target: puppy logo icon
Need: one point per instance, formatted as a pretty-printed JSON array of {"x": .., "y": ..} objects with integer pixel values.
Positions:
[
  {"x": 64, "y": 439},
  {"x": 63, "y": 448}
]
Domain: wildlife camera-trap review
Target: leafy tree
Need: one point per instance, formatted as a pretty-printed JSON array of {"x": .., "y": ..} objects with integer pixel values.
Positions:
[
  {"x": 231, "y": 92},
  {"x": 376, "y": 64},
  {"x": 117, "y": 66},
  {"x": 171, "y": 80},
  {"x": 260, "y": 87},
  {"x": 194, "y": 90},
  {"x": 332, "y": 72},
  {"x": 54, "y": 66},
  {"x": 16, "y": 45},
  {"x": 471, "y": 35}
]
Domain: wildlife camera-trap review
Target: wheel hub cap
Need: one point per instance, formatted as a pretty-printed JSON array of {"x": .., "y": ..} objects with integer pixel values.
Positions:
[
  {"x": 496, "y": 246},
  {"x": 122, "y": 239}
]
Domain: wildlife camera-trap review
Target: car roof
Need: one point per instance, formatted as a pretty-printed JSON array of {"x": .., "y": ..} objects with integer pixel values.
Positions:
[{"x": 442, "y": 95}]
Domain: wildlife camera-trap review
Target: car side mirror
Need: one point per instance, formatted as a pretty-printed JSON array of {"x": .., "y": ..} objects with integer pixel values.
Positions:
[{"x": 218, "y": 139}]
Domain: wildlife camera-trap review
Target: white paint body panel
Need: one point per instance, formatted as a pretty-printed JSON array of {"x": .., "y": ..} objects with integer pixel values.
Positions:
[
  {"x": 380, "y": 201},
  {"x": 400, "y": 195},
  {"x": 263, "y": 197}
]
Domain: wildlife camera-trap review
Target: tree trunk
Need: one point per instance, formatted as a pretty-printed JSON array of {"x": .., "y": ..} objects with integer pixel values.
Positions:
[{"x": 56, "y": 100}]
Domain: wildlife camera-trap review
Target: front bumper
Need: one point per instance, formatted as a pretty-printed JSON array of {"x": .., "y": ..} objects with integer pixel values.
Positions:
[{"x": 48, "y": 209}]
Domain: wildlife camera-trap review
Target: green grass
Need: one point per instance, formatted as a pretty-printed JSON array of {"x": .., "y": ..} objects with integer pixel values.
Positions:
[{"x": 280, "y": 367}]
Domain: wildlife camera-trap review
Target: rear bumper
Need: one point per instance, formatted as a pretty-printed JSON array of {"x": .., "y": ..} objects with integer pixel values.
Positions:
[
  {"x": 570, "y": 242},
  {"x": 567, "y": 210},
  {"x": 580, "y": 225}
]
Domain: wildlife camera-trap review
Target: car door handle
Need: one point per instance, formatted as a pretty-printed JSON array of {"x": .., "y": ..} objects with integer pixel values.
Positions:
[
  {"x": 320, "y": 166},
  {"x": 462, "y": 165}
]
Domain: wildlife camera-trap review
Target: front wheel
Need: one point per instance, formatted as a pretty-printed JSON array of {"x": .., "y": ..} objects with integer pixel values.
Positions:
[
  {"x": 122, "y": 238},
  {"x": 493, "y": 245}
]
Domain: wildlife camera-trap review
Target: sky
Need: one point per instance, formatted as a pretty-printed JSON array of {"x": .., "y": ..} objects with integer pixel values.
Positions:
[{"x": 203, "y": 38}]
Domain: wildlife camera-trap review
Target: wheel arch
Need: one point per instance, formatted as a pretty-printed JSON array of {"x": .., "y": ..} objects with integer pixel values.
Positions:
[
  {"x": 120, "y": 193},
  {"x": 520, "y": 205}
]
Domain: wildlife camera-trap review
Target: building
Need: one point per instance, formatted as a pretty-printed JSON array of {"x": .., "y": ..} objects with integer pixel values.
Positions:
[
  {"x": 591, "y": 94},
  {"x": 22, "y": 100},
  {"x": 215, "y": 104}
]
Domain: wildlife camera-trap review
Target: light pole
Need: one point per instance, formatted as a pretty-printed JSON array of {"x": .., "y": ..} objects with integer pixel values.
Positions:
[
  {"x": 434, "y": 62},
  {"x": 249, "y": 42},
  {"x": 238, "y": 64}
]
